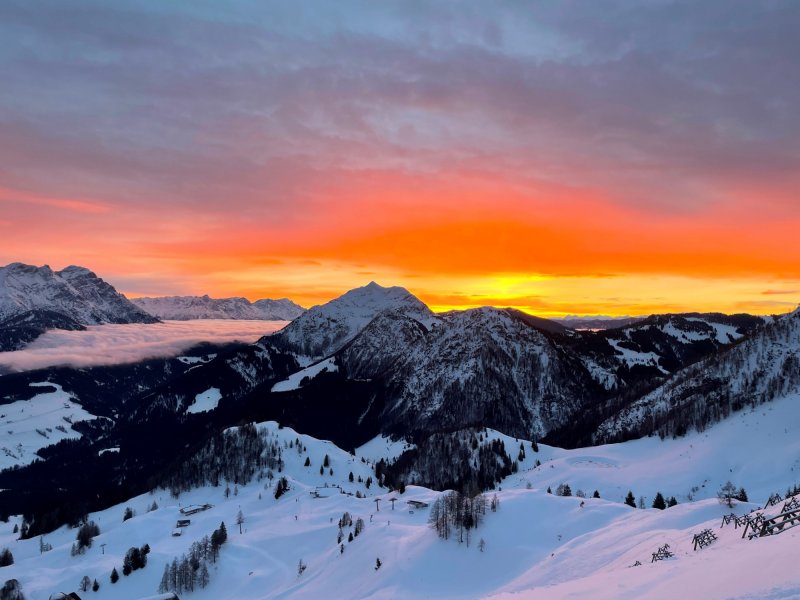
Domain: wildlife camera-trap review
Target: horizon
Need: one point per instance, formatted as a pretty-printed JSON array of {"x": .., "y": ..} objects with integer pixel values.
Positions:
[
  {"x": 437, "y": 310},
  {"x": 617, "y": 160}
]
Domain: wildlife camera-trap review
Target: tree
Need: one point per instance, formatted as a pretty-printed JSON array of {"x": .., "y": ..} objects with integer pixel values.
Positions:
[
  {"x": 563, "y": 490},
  {"x": 95, "y": 585},
  {"x": 127, "y": 567},
  {"x": 326, "y": 462},
  {"x": 350, "y": 477},
  {"x": 114, "y": 575},
  {"x": 239, "y": 520},
  {"x": 308, "y": 462},
  {"x": 204, "y": 577},
  {"x": 6, "y": 558},
  {"x": 630, "y": 499},
  {"x": 85, "y": 584},
  {"x": 86, "y": 533},
  {"x": 128, "y": 514},
  {"x": 482, "y": 545},
  {"x": 659, "y": 502},
  {"x": 11, "y": 590},
  {"x": 727, "y": 494},
  {"x": 741, "y": 495},
  {"x": 166, "y": 583},
  {"x": 641, "y": 502},
  {"x": 549, "y": 491},
  {"x": 672, "y": 502},
  {"x": 596, "y": 494},
  {"x": 281, "y": 487}
]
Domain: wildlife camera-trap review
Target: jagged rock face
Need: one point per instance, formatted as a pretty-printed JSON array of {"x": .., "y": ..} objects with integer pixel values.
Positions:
[
  {"x": 74, "y": 292},
  {"x": 38, "y": 298},
  {"x": 486, "y": 367},
  {"x": 184, "y": 308},
  {"x": 760, "y": 368},
  {"x": 324, "y": 329}
]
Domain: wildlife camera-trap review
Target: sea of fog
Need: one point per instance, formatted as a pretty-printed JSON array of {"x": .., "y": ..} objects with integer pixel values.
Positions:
[{"x": 117, "y": 344}]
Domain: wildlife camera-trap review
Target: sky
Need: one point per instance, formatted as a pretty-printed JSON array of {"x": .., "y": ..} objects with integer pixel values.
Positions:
[{"x": 605, "y": 157}]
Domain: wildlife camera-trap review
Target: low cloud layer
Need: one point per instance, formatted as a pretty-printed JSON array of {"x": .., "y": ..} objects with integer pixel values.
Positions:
[{"x": 117, "y": 344}]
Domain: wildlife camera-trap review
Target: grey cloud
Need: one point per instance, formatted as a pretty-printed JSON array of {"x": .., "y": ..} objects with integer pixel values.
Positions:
[{"x": 195, "y": 104}]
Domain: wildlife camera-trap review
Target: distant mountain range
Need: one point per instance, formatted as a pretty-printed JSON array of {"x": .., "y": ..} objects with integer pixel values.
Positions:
[
  {"x": 185, "y": 308},
  {"x": 34, "y": 299},
  {"x": 596, "y": 322}
]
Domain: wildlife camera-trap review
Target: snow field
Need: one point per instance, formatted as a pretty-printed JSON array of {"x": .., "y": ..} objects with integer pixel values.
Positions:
[
  {"x": 537, "y": 545},
  {"x": 30, "y": 425}
]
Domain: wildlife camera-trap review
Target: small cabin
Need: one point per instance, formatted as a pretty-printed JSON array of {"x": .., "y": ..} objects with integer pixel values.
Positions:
[
  {"x": 177, "y": 532},
  {"x": 183, "y": 523},
  {"x": 194, "y": 508},
  {"x": 417, "y": 504}
]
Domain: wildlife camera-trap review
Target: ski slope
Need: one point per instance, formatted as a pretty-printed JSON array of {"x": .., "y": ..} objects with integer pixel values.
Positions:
[{"x": 537, "y": 545}]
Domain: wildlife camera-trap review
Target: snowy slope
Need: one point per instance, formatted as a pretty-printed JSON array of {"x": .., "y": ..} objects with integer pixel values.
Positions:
[
  {"x": 183, "y": 308},
  {"x": 295, "y": 380},
  {"x": 534, "y": 541},
  {"x": 30, "y": 425}
]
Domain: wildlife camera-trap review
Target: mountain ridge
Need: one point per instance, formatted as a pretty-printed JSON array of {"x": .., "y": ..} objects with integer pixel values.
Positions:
[{"x": 184, "y": 308}]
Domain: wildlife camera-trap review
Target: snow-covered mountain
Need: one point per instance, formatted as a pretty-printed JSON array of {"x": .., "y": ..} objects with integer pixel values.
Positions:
[
  {"x": 184, "y": 308},
  {"x": 326, "y": 328},
  {"x": 761, "y": 367},
  {"x": 495, "y": 367},
  {"x": 597, "y": 322},
  {"x": 33, "y": 299},
  {"x": 658, "y": 346}
]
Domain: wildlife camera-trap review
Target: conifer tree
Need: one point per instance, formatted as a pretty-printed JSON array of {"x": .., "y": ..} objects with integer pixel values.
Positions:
[
  {"x": 630, "y": 499},
  {"x": 659, "y": 502}
]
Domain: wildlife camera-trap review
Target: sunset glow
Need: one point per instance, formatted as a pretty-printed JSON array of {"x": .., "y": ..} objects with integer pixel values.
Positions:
[{"x": 556, "y": 160}]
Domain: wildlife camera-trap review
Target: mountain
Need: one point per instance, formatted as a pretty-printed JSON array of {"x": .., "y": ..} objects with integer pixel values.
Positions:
[
  {"x": 377, "y": 361},
  {"x": 658, "y": 346},
  {"x": 325, "y": 328},
  {"x": 184, "y": 308},
  {"x": 34, "y": 299},
  {"x": 761, "y": 367},
  {"x": 494, "y": 367},
  {"x": 596, "y": 322}
]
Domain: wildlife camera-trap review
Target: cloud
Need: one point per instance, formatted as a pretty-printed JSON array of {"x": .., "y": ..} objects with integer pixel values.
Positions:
[{"x": 118, "y": 344}]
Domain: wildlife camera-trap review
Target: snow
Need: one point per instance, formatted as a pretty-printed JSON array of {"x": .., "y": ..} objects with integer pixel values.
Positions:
[
  {"x": 205, "y": 401},
  {"x": 30, "y": 425},
  {"x": 632, "y": 357},
  {"x": 383, "y": 447},
  {"x": 294, "y": 381},
  {"x": 537, "y": 545},
  {"x": 193, "y": 360}
]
